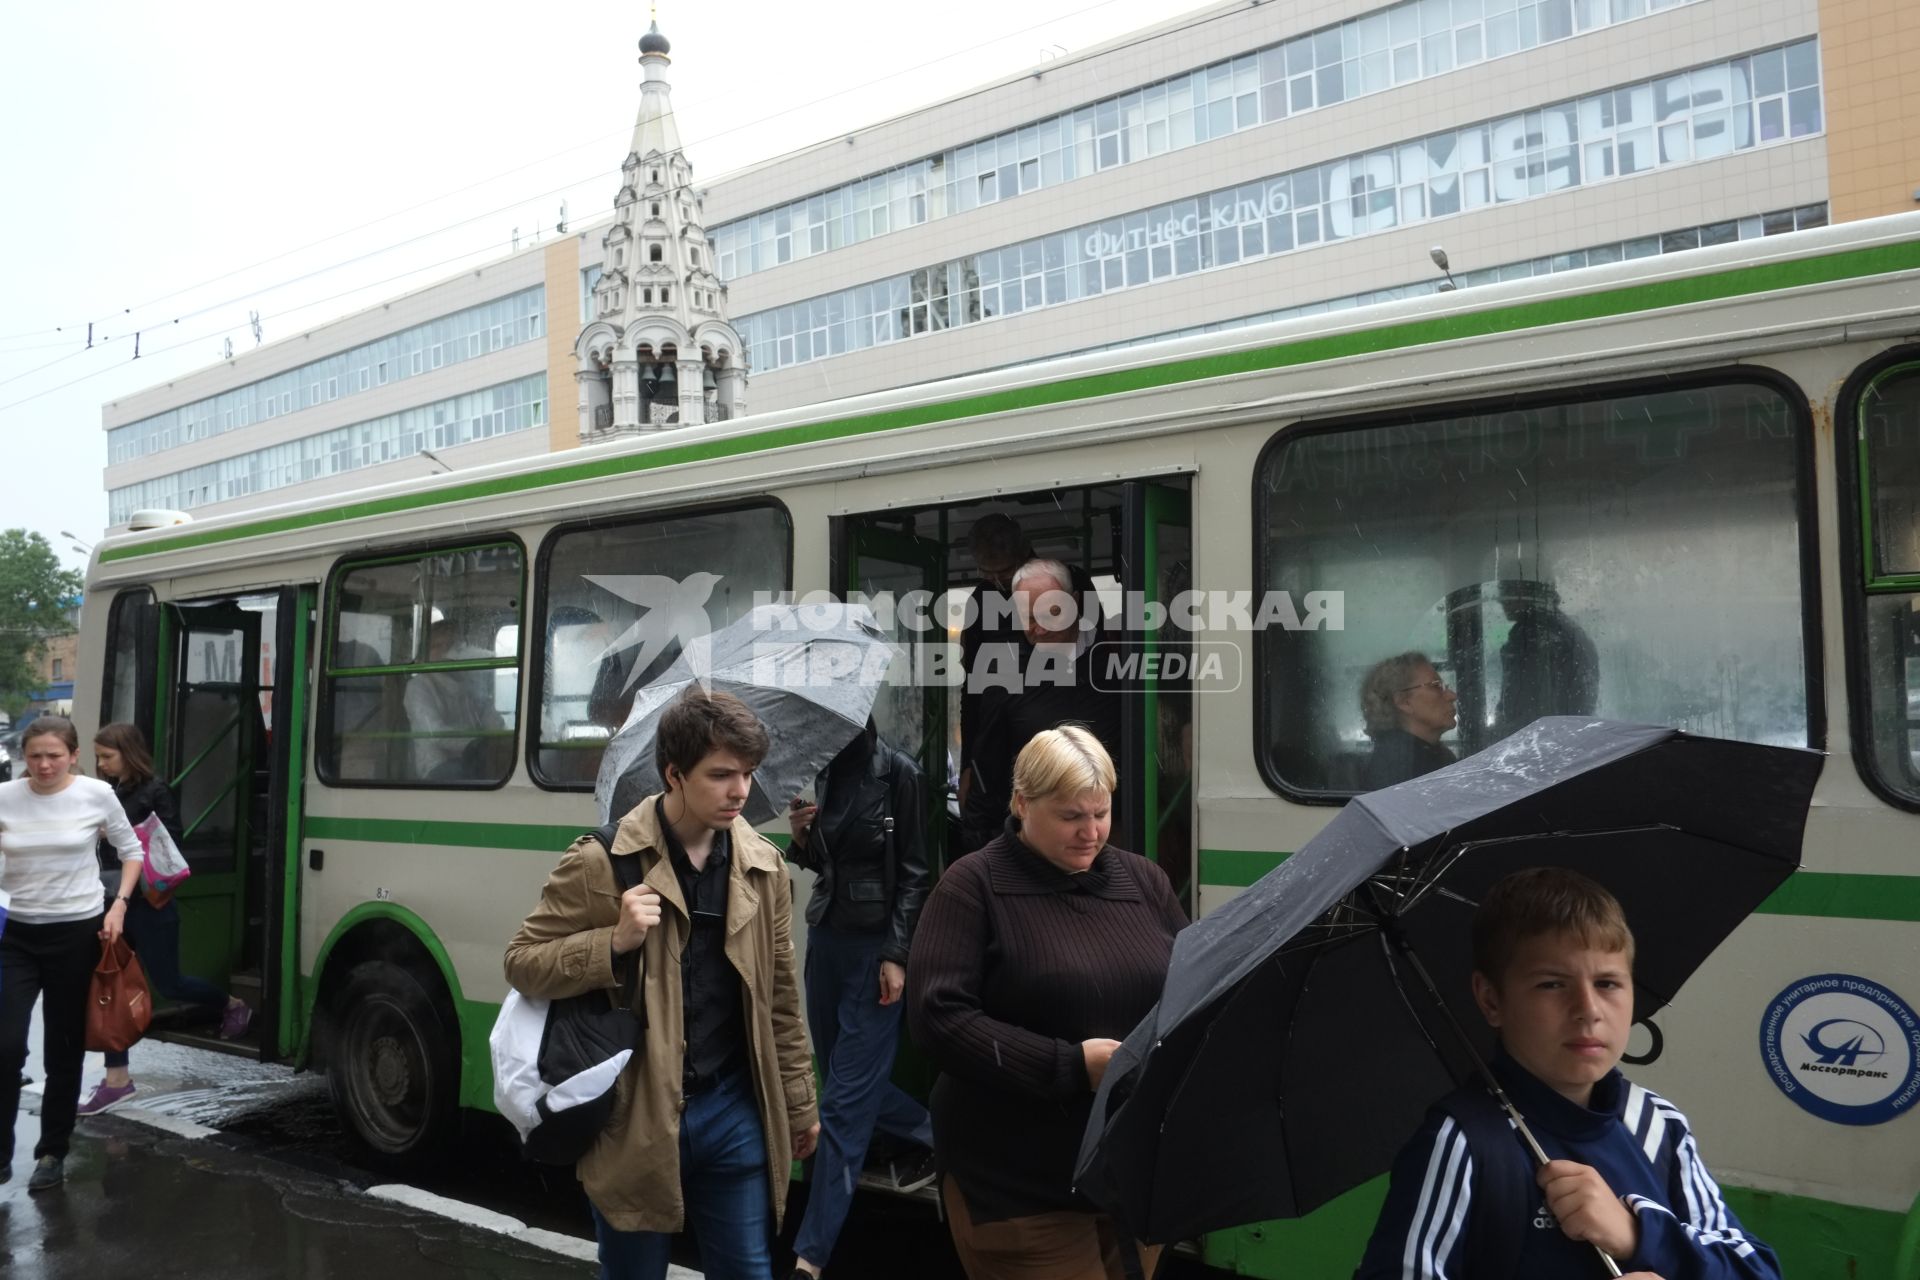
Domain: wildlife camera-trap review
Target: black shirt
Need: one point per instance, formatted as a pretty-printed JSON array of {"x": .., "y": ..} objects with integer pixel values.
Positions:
[
  {"x": 709, "y": 984},
  {"x": 1399, "y": 756}
]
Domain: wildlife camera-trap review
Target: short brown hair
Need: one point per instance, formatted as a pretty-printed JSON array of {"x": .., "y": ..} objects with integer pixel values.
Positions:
[
  {"x": 697, "y": 723},
  {"x": 1543, "y": 900},
  {"x": 52, "y": 726},
  {"x": 136, "y": 762}
]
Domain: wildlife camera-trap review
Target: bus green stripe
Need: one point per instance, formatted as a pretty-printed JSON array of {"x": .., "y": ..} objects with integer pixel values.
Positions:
[
  {"x": 465, "y": 835},
  {"x": 1847, "y": 897},
  {"x": 1823, "y": 894},
  {"x": 472, "y": 835},
  {"x": 1236, "y": 868},
  {"x": 1732, "y": 283}
]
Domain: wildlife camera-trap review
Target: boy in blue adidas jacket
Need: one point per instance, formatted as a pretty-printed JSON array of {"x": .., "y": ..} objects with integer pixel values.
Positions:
[{"x": 1553, "y": 974}]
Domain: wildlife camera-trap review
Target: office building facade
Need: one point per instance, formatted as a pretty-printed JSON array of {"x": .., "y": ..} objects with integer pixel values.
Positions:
[{"x": 1239, "y": 163}]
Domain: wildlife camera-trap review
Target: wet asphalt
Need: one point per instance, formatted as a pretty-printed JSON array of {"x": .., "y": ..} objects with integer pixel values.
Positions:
[{"x": 274, "y": 1188}]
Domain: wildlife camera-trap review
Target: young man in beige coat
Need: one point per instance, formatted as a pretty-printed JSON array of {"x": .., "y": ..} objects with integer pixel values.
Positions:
[{"x": 719, "y": 1099}]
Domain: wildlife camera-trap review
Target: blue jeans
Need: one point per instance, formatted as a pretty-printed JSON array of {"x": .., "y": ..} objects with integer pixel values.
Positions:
[
  {"x": 723, "y": 1181},
  {"x": 854, "y": 1036},
  {"x": 154, "y": 934}
]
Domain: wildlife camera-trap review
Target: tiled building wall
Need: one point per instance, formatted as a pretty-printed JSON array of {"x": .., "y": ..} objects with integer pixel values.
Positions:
[
  {"x": 563, "y": 327},
  {"x": 1871, "y": 51}
]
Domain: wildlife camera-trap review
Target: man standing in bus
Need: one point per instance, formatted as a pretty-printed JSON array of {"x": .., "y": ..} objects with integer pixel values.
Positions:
[
  {"x": 1060, "y": 619},
  {"x": 718, "y": 1099}
]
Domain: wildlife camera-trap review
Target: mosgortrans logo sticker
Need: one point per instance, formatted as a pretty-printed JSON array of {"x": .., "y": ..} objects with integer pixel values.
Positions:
[{"x": 1845, "y": 1048}]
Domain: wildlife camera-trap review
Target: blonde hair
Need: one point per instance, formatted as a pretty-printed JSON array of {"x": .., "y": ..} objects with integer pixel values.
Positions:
[
  {"x": 1381, "y": 688},
  {"x": 1064, "y": 761}
]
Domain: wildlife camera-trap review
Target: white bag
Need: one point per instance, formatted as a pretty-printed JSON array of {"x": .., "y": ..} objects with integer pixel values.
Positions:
[
  {"x": 518, "y": 1091},
  {"x": 515, "y": 1048}
]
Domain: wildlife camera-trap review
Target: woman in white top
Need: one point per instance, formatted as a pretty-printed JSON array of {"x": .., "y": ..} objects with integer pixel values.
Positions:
[{"x": 50, "y": 822}]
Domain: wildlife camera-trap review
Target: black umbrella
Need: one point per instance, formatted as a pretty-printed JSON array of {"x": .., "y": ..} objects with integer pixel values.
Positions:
[{"x": 1295, "y": 1047}]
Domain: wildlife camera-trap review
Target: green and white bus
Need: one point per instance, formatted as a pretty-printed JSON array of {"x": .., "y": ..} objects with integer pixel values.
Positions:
[{"x": 1691, "y": 481}]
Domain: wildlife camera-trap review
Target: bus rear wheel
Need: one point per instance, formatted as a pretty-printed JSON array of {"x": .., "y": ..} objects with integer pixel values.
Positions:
[{"x": 392, "y": 1063}]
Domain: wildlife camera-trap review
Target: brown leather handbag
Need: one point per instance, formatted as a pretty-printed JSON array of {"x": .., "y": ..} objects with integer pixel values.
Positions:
[{"x": 118, "y": 1007}]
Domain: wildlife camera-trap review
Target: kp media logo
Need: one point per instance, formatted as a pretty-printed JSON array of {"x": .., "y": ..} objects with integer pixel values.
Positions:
[{"x": 1844, "y": 1048}]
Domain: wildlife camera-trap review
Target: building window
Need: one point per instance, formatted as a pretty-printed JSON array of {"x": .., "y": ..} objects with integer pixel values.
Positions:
[
  {"x": 1370, "y": 53},
  {"x": 653, "y": 253},
  {"x": 268, "y": 397},
  {"x": 1653, "y": 124},
  {"x": 59, "y": 669}
]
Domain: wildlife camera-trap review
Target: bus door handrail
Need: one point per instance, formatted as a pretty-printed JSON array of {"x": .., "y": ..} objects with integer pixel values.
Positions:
[{"x": 207, "y": 750}]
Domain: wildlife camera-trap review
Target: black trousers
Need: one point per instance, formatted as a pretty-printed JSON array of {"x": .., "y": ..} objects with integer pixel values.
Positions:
[{"x": 55, "y": 961}]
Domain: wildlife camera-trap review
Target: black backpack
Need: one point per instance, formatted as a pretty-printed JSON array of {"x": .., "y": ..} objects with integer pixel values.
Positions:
[{"x": 581, "y": 1033}]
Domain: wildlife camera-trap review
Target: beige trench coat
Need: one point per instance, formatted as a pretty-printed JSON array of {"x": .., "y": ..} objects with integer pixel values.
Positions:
[{"x": 565, "y": 948}]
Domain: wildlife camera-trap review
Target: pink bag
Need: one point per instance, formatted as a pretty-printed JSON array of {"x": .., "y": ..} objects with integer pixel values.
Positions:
[{"x": 163, "y": 867}]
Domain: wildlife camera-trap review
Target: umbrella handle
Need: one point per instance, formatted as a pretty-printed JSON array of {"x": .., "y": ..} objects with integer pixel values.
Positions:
[
  {"x": 1397, "y": 939},
  {"x": 1533, "y": 1146}
]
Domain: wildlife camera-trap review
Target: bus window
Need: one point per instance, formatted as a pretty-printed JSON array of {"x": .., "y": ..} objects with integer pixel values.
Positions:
[
  {"x": 130, "y": 638},
  {"x": 1890, "y": 439},
  {"x": 422, "y": 672},
  {"x": 1633, "y": 556},
  {"x": 617, "y": 600}
]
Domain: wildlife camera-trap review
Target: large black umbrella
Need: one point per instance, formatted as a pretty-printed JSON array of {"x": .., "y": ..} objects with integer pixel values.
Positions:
[{"x": 1295, "y": 1046}]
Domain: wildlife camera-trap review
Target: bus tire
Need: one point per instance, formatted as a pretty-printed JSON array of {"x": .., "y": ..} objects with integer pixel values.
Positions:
[{"x": 393, "y": 1063}]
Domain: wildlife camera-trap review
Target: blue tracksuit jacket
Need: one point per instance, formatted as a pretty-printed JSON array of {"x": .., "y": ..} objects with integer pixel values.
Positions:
[{"x": 1463, "y": 1203}]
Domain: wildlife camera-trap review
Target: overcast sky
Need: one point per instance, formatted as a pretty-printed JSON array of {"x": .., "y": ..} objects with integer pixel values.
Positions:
[{"x": 170, "y": 168}]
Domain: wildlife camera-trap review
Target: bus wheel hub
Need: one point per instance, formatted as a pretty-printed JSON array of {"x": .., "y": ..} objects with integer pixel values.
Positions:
[{"x": 389, "y": 1074}]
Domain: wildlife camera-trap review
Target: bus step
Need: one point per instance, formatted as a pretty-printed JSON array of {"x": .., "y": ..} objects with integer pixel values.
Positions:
[{"x": 205, "y": 1037}]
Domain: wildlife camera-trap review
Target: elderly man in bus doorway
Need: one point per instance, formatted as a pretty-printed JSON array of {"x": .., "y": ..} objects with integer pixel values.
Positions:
[
  {"x": 718, "y": 1099},
  {"x": 1056, "y": 684}
]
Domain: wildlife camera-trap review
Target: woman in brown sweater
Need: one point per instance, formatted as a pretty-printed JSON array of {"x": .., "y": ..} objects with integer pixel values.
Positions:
[{"x": 1033, "y": 956}]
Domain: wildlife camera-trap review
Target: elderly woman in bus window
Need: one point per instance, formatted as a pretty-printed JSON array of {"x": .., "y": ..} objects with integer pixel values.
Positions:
[
  {"x": 1408, "y": 708},
  {"x": 1034, "y": 955}
]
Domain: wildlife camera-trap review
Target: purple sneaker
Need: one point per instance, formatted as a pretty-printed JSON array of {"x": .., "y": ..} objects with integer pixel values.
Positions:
[
  {"x": 235, "y": 1021},
  {"x": 105, "y": 1098}
]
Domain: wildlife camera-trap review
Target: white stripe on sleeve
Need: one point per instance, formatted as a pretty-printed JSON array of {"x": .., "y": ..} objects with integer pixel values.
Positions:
[{"x": 1441, "y": 1208}]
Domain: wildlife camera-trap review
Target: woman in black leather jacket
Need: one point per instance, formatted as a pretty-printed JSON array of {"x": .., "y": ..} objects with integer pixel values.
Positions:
[{"x": 865, "y": 842}]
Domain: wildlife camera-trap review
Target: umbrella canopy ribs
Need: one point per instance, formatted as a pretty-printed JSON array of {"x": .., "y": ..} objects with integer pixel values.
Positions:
[{"x": 1306, "y": 1026}]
